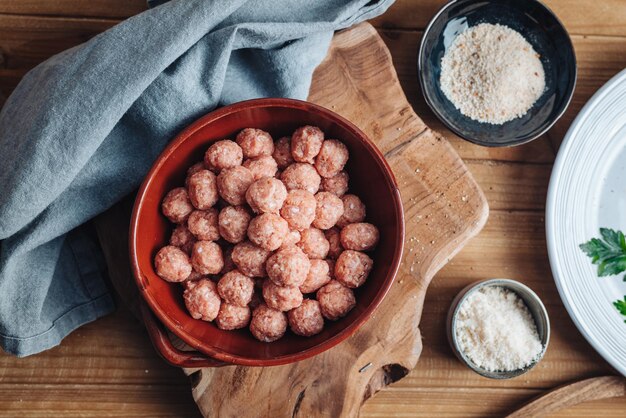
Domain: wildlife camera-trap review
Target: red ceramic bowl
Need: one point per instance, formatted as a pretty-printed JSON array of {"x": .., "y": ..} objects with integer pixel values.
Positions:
[{"x": 370, "y": 178}]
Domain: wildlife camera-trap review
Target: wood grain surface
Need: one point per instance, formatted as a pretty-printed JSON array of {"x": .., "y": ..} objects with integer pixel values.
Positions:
[
  {"x": 108, "y": 368},
  {"x": 595, "y": 388}
]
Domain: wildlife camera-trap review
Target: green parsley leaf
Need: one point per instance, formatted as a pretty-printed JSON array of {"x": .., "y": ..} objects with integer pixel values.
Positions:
[
  {"x": 621, "y": 306},
  {"x": 608, "y": 252}
]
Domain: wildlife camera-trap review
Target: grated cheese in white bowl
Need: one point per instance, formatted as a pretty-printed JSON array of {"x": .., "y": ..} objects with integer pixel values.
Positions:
[{"x": 496, "y": 331}]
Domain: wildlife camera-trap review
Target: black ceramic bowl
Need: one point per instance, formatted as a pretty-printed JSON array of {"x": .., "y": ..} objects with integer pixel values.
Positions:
[{"x": 542, "y": 30}]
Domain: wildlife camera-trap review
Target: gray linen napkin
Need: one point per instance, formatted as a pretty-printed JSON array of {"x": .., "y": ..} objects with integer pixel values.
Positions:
[{"x": 82, "y": 129}]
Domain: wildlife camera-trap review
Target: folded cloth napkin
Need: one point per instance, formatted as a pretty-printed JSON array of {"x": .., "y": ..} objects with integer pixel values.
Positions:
[{"x": 82, "y": 129}]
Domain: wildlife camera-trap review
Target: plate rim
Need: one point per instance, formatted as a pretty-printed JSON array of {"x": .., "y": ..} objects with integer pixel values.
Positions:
[{"x": 557, "y": 169}]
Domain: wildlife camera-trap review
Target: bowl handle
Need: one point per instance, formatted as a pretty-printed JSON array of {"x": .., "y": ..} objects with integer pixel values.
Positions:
[{"x": 163, "y": 345}]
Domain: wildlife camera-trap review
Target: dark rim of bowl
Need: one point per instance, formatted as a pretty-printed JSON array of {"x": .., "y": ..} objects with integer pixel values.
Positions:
[
  {"x": 204, "y": 346},
  {"x": 439, "y": 115}
]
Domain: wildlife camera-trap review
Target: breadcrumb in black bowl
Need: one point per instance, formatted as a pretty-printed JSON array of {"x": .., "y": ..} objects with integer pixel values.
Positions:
[{"x": 540, "y": 27}]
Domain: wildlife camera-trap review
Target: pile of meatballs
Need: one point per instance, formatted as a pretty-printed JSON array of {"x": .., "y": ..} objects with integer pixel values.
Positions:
[{"x": 267, "y": 235}]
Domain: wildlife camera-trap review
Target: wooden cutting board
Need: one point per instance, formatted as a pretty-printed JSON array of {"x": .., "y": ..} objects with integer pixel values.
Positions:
[{"x": 444, "y": 208}]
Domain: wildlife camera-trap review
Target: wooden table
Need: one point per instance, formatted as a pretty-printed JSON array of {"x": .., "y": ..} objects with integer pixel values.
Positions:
[{"x": 109, "y": 369}]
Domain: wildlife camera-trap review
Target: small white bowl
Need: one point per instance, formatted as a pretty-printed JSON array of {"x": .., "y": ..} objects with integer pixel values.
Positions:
[{"x": 534, "y": 305}]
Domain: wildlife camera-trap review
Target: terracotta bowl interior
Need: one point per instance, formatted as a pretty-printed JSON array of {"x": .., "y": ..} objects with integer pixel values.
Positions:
[{"x": 370, "y": 178}]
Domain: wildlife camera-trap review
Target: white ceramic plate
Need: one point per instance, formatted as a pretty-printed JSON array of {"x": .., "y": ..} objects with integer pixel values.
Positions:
[{"x": 588, "y": 191}]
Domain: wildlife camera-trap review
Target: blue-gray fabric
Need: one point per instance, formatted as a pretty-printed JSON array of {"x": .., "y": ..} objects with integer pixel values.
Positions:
[{"x": 81, "y": 130}]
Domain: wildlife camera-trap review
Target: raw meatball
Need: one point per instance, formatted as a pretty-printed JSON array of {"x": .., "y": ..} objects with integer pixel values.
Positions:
[
  {"x": 207, "y": 258},
  {"x": 223, "y": 154},
  {"x": 328, "y": 210},
  {"x": 288, "y": 266},
  {"x": 299, "y": 209},
  {"x": 319, "y": 275},
  {"x": 335, "y": 300},
  {"x": 281, "y": 298},
  {"x": 232, "y": 316},
  {"x": 307, "y": 319},
  {"x": 176, "y": 205},
  {"x": 202, "y": 189},
  {"x": 313, "y": 243},
  {"x": 264, "y": 166},
  {"x": 229, "y": 264},
  {"x": 359, "y": 236},
  {"x": 266, "y": 195},
  {"x": 202, "y": 300},
  {"x": 337, "y": 185},
  {"x": 301, "y": 176},
  {"x": 332, "y": 158},
  {"x": 250, "y": 259},
  {"x": 203, "y": 224},
  {"x": 236, "y": 288},
  {"x": 182, "y": 238},
  {"x": 306, "y": 143},
  {"x": 352, "y": 268},
  {"x": 191, "y": 283},
  {"x": 292, "y": 238},
  {"x": 268, "y": 324},
  {"x": 172, "y": 264},
  {"x": 194, "y": 276},
  {"x": 331, "y": 267},
  {"x": 233, "y": 223},
  {"x": 353, "y": 210},
  {"x": 268, "y": 231},
  {"x": 282, "y": 152},
  {"x": 255, "y": 143},
  {"x": 232, "y": 183},
  {"x": 334, "y": 239},
  {"x": 193, "y": 170}
]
